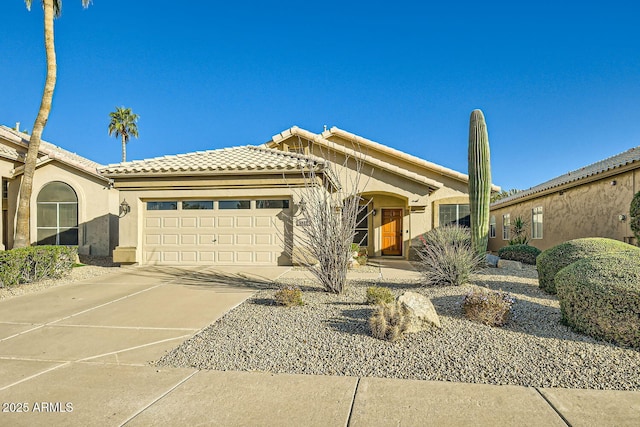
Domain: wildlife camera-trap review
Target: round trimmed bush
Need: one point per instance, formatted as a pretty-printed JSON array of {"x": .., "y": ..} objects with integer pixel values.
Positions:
[
  {"x": 555, "y": 259},
  {"x": 523, "y": 253},
  {"x": 600, "y": 296}
]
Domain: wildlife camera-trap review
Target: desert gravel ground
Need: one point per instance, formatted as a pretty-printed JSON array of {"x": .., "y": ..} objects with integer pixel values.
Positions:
[{"x": 329, "y": 335}]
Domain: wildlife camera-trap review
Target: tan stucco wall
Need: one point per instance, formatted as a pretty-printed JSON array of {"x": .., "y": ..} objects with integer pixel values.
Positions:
[
  {"x": 97, "y": 206},
  {"x": 6, "y": 167},
  {"x": 588, "y": 210}
]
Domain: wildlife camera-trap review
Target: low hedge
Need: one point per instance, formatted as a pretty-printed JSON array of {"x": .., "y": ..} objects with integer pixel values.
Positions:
[
  {"x": 555, "y": 259},
  {"x": 26, "y": 265},
  {"x": 600, "y": 296},
  {"x": 523, "y": 253}
]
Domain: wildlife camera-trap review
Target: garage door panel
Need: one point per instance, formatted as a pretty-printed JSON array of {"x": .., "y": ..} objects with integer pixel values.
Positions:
[
  {"x": 263, "y": 221},
  {"x": 189, "y": 222},
  {"x": 207, "y": 256},
  {"x": 188, "y": 239},
  {"x": 225, "y": 239},
  {"x": 225, "y": 257},
  {"x": 170, "y": 256},
  {"x": 264, "y": 257},
  {"x": 244, "y": 256},
  {"x": 191, "y": 256},
  {"x": 153, "y": 222},
  {"x": 263, "y": 239},
  {"x": 170, "y": 222},
  {"x": 243, "y": 239},
  {"x": 207, "y": 222},
  {"x": 153, "y": 239},
  {"x": 225, "y": 221},
  {"x": 243, "y": 222},
  {"x": 169, "y": 239},
  {"x": 206, "y": 239}
]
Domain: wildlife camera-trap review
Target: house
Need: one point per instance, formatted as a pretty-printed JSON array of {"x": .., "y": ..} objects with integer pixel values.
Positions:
[
  {"x": 71, "y": 203},
  {"x": 234, "y": 205},
  {"x": 593, "y": 201}
]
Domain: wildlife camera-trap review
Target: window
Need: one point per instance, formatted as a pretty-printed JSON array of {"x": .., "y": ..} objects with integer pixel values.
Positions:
[
  {"x": 455, "y": 215},
  {"x": 362, "y": 228},
  {"x": 234, "y": 204},
  {"x": 162, "y": 206},
  {"x": 506, "y": 227},
  {"x": 536, "y": 223},
  {"x": 5, "y": 189},
  {"x": 197, "y": 204},
  {"x": 492, "y": 227},
  {"x": 57, "y": 215},
  {"x": 272, "y": 204}
]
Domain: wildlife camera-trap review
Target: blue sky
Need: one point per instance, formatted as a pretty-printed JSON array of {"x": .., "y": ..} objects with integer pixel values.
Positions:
[{"x": 559, "y": 83}]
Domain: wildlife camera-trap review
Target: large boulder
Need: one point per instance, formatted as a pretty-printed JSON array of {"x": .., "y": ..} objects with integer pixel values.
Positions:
[{"x": 421, "y": 312}]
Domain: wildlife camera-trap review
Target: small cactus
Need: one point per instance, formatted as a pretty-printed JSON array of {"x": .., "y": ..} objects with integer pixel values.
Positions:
[
  {"x": 289, "y": 296},
  {"x": 479, "y": 181},
  {"x": 389, "y": 321}
]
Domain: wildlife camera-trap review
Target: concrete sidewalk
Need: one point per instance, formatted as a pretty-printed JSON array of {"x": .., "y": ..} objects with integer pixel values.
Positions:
[{"x": 79, "y": 355}]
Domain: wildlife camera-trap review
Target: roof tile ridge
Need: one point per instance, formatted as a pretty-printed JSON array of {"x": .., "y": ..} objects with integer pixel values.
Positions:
[{"x": 385, "y": 148}]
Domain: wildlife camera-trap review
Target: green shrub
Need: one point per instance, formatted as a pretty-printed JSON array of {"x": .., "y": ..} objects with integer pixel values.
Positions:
[
  {"x": 491, "y": 308},
  {"x": 289, "y": 296},
  {"x": 555, "y": 259},
  {"x": 30, "y": 264},
  {"x": 523, "y": 253},
  {"x": 634, "y": 213},
  {"x": 446, "y": 256},
  {"x": 389, "y": 321},
  {"x": 600, "y": 296},
  {"x": 378, "y": 295},
  {"x": 362, "y": 259}
]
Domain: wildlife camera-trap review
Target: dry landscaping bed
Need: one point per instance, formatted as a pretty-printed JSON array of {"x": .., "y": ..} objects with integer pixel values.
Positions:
[{"x": 330, "y": 335}]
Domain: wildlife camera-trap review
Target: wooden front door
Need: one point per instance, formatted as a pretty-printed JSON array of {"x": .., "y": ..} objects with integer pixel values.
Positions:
[{"x": 391, "y": 231}]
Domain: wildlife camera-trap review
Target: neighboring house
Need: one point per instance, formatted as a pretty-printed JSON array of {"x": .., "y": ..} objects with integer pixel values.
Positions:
[
  {"x": 234, "y": 205},
  {"x": 71, "y": 203},
  {"x": 592, "y": 201}
]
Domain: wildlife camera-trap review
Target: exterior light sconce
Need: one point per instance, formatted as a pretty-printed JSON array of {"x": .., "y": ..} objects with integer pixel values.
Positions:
[
  {"x": 614, "y": 182},
  {"x": 124, "y": 208},
  {"x": 622, "y": 217},
  {"x": 374, "y": 212}
]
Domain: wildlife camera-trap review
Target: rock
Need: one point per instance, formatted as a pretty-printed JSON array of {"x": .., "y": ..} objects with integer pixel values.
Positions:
[
  {"x": 509, "y": 265},
  {"x": 492, "y": 260},
  {"x": 422, "y": 314}
]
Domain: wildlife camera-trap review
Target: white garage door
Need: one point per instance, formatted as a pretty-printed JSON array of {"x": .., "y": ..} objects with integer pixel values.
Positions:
[{"x": 221, "y": 231}]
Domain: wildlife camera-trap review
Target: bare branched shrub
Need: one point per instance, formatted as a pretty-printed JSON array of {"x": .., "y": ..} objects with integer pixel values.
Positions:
[
  {"x": 492, "y": 308},
  {"x": 329, "y": 200},
  {"x": 389, "y": 321},
  {"x": 446, "y": 256}
]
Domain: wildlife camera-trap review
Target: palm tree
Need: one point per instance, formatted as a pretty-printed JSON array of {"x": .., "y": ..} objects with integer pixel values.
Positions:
[
  {"x": 52, "y": 9},
  {"x": 123, "y": 125}
]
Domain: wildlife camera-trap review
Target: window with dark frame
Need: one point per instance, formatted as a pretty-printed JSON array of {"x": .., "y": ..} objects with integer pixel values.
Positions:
[
  {"x": 362, "y": 228},
  {"x": 455, "y": 214},
  {"x": 234, "y": 204},
  {"x": 162, "y": 206}
]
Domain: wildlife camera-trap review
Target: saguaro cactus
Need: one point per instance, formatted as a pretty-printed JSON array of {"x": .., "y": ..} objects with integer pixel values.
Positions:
[{"x": 479, "y": 181}]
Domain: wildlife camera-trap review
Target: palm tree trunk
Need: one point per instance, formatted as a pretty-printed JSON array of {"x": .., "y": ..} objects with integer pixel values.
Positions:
[
  {"x": 124, "y": 149},
  {"x": 24, "y": 203}
]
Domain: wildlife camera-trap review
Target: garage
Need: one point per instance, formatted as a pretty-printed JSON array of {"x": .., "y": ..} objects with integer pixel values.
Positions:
[{"x": 247, "y": 231}]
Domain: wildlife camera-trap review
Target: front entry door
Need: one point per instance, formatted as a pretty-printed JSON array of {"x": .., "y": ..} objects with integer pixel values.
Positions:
[{"x": 391, "y": 231}]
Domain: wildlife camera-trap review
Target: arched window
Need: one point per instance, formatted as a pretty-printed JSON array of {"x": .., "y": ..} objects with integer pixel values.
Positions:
[{"x": 57, "y": 220}]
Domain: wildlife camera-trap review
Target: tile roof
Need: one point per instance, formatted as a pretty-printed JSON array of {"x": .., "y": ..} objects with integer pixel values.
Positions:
[
  {"x": 48, "y": 152},
  {"x": 574, "y": 177},
  {"x": 310, "y": 136},
  {"x": 245, "y": 159}
]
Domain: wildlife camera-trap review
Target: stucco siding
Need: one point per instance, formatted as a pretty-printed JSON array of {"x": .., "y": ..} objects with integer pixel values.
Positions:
[{"x": 589, "y": 210}]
